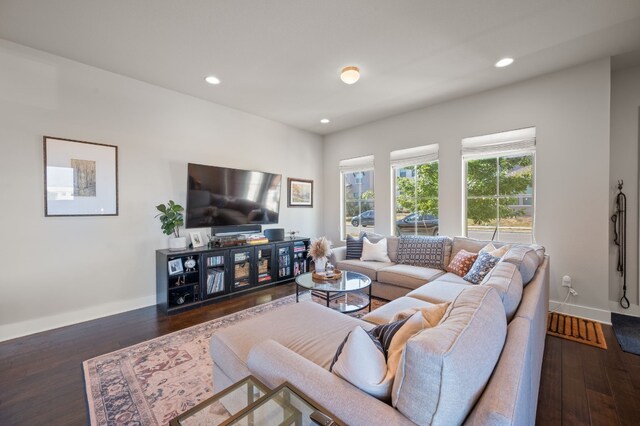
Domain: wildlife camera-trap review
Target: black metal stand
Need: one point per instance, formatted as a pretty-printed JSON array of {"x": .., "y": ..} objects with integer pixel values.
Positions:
[{"x": 619, "y": 220}]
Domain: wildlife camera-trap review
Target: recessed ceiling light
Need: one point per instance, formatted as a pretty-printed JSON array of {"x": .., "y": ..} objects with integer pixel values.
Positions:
[
  {"x": 504, "y": 62},
  {"x": 350, "y": 75},
  {"x": 325, "y": 121},
  {"x": 212, "y": 80}
]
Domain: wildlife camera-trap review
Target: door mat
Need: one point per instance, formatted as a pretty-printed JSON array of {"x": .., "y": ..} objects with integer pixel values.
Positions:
[
  {"x": 576, "y": 329},
  {"x": 627, "y": 330}
]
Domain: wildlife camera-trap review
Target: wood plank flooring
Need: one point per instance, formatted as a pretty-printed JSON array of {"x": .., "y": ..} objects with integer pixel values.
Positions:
[{"x": 41, "y": 381}]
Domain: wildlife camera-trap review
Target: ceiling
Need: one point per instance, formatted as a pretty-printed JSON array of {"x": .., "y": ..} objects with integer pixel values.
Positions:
[{"x": 281, "y": 59}]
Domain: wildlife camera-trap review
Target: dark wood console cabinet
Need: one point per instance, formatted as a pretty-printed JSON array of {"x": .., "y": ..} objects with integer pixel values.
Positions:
[{"x": 191, "y": 278}]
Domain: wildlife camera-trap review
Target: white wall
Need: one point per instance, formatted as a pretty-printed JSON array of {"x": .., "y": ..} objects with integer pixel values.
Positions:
[
  {"x": 625, "y": 137},
  {"x": 570, "y": 110},
  {"x": 57, "y": 271}
]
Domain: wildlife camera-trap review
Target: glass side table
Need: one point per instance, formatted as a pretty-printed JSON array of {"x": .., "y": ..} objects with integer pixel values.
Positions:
[{"x": 223, "y": 405}]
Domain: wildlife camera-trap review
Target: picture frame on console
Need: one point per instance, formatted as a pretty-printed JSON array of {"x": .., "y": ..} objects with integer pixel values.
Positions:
[
  {"x": 175, "y": 267},
  {"x": 196, "y": 239},
  {"x": 300, "y": 192},
  {"x": 80, "y": 178}
]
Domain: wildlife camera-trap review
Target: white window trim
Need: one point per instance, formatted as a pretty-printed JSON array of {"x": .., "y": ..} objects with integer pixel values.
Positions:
[{"x": 359, "y": 164}]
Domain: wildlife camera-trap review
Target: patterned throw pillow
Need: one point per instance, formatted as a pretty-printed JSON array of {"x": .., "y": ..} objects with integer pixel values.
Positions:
[
  {"x": 354, "y": 247},
  {"x": 422, "y": 251},
  {"x": 462, "y": 263},
  {"x": 481, "y": 267}
]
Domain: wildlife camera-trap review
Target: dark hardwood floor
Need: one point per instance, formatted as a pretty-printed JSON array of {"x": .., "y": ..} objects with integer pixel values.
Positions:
[{"x": 41, "y": 381}]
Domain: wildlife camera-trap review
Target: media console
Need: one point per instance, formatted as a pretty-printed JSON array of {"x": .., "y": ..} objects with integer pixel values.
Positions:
[{"x": 190, "y": 278}]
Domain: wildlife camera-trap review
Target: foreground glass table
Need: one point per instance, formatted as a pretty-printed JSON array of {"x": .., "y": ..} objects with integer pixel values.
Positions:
[
  {"x": 250, "y": 402},
  {"x": 348, "y": 293}
]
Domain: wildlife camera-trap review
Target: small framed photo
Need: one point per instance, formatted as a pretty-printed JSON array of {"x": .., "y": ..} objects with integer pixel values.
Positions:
[
  {"x": 196, "y": 239},
  {"x": 300, "y": 193},
  {"x": 175, "y": 267},
  {"x": 80, "y": 178}
]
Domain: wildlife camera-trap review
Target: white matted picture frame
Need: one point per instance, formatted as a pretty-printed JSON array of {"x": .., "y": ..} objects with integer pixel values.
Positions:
[
  {"x": 300, "y": 192},
  {"x": 196, "y": 239},
  {"x": 175, "y": 267},
  {"x": 80, "y": 178}
]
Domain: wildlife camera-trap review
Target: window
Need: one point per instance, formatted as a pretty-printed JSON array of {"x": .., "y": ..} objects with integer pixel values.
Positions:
[
  {"x": 358, "y": 197},
  {"x": 499, "y": 178},
  {"x": 415, "y": 190}
]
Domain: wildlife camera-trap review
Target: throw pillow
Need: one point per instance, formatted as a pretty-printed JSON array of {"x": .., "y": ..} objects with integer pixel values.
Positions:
[
  {"x": 481, "y": 267},
  {"x": 371, "y": 236},
  {"x": 431, "y": 314},
  {"x": 422, "y": 251},
  {"x": 462, "y": 263},
  {"x": 497, "y": 252},
  {"x": 369, "y": 359},
  {"x": 354, "y": 247},
  {"x": 376, "y": 252}
]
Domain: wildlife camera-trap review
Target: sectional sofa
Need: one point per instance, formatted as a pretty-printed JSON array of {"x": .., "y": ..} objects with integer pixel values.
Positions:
[{"x": 480, "y": 365}]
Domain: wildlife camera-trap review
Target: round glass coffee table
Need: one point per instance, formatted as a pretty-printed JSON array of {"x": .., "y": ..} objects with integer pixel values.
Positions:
[{"x": 347, "y": 294}]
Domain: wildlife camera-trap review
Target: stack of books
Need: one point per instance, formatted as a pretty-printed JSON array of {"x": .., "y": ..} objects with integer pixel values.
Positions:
[{"x": 255, "y": 239}]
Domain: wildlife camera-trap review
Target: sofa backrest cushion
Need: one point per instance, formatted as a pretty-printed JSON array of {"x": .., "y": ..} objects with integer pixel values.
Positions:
[
  {"x": 444, "y": 369},
  {"x": 418, "y": 250},
  {"x": 526, "y": 259},
  {"x": 507, "y": 281},
  {"x": 392, "y": 248}
]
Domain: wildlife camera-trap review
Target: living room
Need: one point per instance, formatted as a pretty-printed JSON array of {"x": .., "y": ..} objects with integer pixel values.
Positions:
[{"x": 133, "y": 76}]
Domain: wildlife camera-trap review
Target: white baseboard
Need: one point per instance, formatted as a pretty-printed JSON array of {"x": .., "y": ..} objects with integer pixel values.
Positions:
[
  {"x": 37, "y": 325},
  {"x": 634, "y": 310},
  {"x": 594, "y": 314}
]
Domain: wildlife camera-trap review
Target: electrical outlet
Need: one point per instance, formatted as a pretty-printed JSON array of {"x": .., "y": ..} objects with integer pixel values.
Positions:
[{"x": 566, "y": 281}]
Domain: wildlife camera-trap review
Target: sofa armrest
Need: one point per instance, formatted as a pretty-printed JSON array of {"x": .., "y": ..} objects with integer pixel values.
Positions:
[
  {"x": 338, "y": 254},
  {"x": 274, "y": 364}
]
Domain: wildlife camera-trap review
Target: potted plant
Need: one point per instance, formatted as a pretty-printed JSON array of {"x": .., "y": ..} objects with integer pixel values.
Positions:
[
  {"x": 171, "y": 219},
  {"x": 319, "y": 250}
]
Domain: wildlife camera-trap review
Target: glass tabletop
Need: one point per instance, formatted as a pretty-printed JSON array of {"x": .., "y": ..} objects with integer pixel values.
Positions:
[
  {"x": 349, "y": 281},
  {"x": 224, "y": 405}
]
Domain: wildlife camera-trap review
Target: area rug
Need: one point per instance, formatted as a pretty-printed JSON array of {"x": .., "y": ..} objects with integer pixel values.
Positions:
[
  {"x": 154, "y": 381},
  {"x": 627, "y": 330},
  {"x": 576, "y": 329}
]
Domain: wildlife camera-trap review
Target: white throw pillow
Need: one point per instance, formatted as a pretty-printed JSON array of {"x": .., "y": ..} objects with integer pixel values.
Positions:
[
  {"x": 496, "y": 252},
  {"x": 376, "y": 252}
]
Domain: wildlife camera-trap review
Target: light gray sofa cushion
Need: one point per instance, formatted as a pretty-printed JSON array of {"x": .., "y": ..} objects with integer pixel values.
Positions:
[
  {"x": 385, "y": 313},
  {"x": 526, "y": 259},
  {"x": 366, "y": 267},
  {"x": 444, "y": 369},
  {"x": 392, "y": 248},
  {"x": 469, "y": 244},
  {"x": 438, "y": 291},
  {"x": 315, "y": 334},
  {"x": 408, "y": 276},
  {"x": 506, "y": 279},
  {"x": 450, "y": 277}
]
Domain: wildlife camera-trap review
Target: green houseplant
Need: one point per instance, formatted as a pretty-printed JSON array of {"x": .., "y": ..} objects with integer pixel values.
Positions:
[{"x": 171, "y": 219}]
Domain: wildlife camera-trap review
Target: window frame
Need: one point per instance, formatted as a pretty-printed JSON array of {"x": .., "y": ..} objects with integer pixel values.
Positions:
[
  {"x": 343, "y": 200},
  {"x": 394, "y": 193},
  {"x": 496, "y": 155}
]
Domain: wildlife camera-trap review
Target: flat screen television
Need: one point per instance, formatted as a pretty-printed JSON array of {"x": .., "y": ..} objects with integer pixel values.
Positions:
[{"x": 220, "y": 196}]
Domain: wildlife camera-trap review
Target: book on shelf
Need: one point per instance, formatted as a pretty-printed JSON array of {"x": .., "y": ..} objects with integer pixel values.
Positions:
[
  {"x": 215, "y": 282},
  {"x": 215, "y": 261},
  {"x": 259, "y": 241}
]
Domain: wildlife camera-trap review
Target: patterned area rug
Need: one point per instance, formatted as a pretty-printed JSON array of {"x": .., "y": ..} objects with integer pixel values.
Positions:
[
  {"x": 154, "y": 381},
  {"x": 577, "y": 329}
]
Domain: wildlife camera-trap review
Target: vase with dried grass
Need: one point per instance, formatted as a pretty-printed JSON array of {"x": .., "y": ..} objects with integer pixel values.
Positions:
[{"x": 319, "y": 251}]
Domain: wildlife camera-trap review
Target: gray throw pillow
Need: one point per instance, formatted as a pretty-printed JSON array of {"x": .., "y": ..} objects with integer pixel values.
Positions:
[{"x": 423, "y": 251}]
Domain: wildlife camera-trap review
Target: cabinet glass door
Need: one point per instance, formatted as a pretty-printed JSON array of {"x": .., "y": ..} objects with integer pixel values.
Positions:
[
  {"x": 215, "y": 274},
  {"x": 241, "y": 271},
  {"x": 265, "y": 264},
  {"x": 300, "y": 260},
  {"x": 285, "y": 255}
]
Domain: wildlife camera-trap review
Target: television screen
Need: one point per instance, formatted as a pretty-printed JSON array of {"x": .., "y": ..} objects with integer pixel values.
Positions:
[{"x": 219, "y": 196}]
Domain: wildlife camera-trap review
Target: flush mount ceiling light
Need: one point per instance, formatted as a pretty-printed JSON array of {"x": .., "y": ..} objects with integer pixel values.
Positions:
[
  {"x": 350, "y": 75},
  {"x": 212, "y": 80},
  {"x": 504, "y": 62},
  {"x": 325, "y": 121}
]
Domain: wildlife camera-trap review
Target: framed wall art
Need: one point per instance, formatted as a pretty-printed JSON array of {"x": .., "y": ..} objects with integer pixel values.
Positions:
[
  {"x": 300, "y": 193},
  {"x": 80, "y": 178}
]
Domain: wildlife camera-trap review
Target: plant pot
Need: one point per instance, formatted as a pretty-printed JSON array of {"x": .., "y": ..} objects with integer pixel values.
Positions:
[
  {"x": 320, "y": 264},
  {"x": 177, "y": 243}
]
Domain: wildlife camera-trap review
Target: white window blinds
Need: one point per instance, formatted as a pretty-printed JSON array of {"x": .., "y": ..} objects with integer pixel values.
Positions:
[
  {"x": 414, "y": 156},
  {"x": 511, "y": 141},
  {"x": 357, "y": 164}
]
